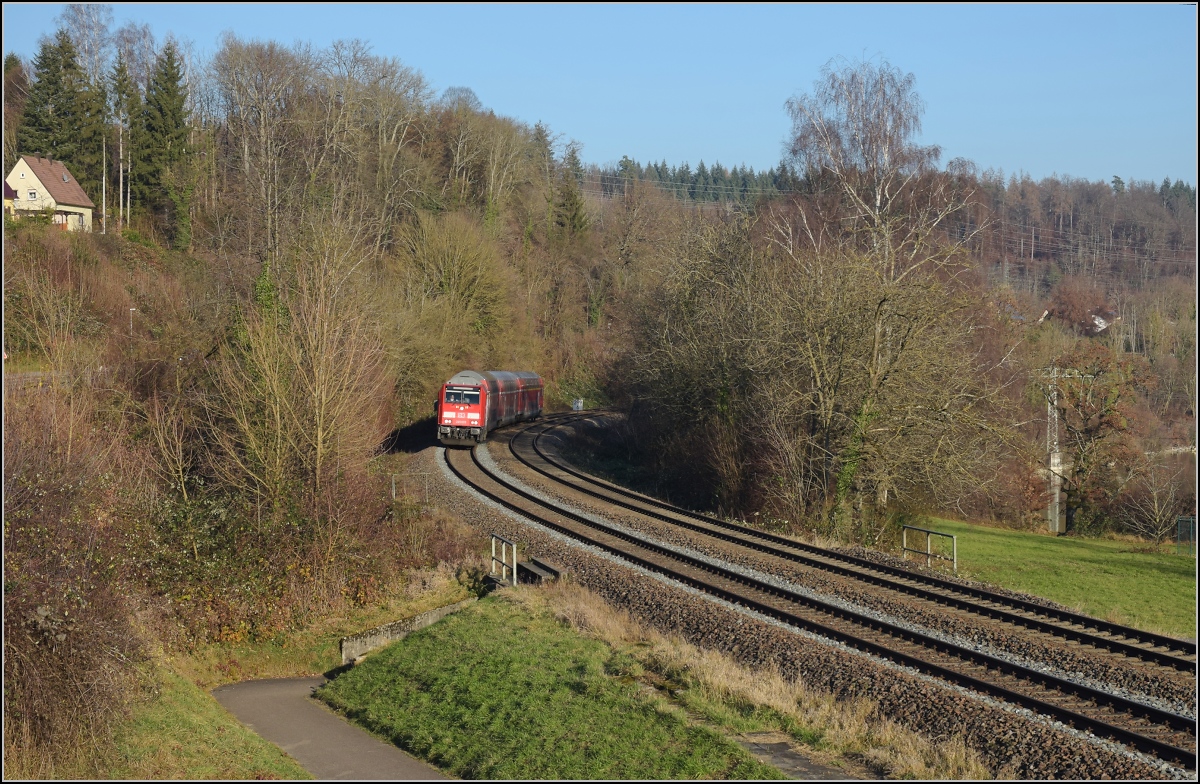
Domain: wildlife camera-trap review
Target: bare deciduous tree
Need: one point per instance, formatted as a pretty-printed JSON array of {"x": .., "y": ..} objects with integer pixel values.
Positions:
[
  {"x": 1152, "y": 503},
  {"x": 297, "y": 400},
  {"x": 506, "y": 156},
  {"x": 88, "y": 26},
  {"x": 170, "y": 429},
  {"x": 137, "y": 46},
  {"x": 249, "y": 413},
  {"x": 335, "y": 349},
  {"x": 879, "y": 242},
  {"x": 258, "y": 84},
  {"x": 853, "y": 136}
]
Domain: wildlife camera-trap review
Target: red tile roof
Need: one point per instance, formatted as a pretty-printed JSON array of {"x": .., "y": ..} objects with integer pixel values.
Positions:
[
  {"x": 9, "y": 193},
  {"x": 62, "y": 186}
]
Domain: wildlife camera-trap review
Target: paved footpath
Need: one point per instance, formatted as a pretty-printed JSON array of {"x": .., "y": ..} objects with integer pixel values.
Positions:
[{"x": 284, "y": 712}]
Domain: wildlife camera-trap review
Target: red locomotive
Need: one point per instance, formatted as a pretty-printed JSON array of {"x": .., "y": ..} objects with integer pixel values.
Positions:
[{"x": 473, "y": 404}]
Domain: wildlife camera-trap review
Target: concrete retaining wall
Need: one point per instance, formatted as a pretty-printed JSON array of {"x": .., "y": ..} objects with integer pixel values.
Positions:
[{"x": 356, "y": 645}]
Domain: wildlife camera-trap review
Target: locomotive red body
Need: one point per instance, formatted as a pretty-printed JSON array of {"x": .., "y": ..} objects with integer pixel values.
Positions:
[{"x": 473, "y": 404}]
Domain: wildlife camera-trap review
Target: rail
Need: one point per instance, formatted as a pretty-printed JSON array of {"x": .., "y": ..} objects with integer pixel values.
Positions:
[
  {"x": 1179, "y": 654},
  {"x": 599, "y": 535}
]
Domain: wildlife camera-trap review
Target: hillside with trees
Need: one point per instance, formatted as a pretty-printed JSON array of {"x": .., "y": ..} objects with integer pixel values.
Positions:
[{"x": 299, "y": 245}]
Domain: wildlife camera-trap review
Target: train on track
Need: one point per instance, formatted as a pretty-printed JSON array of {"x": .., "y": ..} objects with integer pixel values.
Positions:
[{"x": 472, "y": 404}]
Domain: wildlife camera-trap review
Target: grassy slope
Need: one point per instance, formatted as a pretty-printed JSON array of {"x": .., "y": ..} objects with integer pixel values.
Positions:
[
  {"x": 183, "y": 733},
  {"x": 1118, "y": 581},
  {"x": 522, "y": 698},
  {"x": 587, "y": 716}
]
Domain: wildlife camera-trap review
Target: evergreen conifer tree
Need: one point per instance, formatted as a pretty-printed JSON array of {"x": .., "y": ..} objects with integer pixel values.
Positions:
[
  {"x": 50, "y": 124},
  {"x": 702, "y": 181},
  {"x": 572, "y": 162},
  {"x": 570, "y": 214},
  {"x": 542, "y": 154},
  {"x": 167, "y": 173},
  {"x": 87, "y": 163},
  {"x": 16, "y": 92},
  {"x": 683, "y": 181}
]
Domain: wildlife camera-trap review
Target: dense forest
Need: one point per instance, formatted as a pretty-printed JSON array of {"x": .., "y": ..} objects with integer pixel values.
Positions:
[{"x": 298, "y": 245}]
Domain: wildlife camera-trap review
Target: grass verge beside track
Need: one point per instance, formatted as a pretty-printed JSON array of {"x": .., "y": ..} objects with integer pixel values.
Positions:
[
  {"x": 499, "y": 693},
  {"x": 1129, "y": 582},
  {"x": 552, "y": 683},
  {"x": 1124, "y": 582}
]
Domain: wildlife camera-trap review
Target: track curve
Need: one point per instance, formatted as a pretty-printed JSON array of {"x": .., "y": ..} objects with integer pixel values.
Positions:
[{"x": 1163, "y": 733}]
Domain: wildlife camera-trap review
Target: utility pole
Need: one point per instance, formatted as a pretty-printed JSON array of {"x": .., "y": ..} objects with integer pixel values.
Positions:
[
  {"x": 1056, "y": 466},
  {"x": 1054, "y": 462}
]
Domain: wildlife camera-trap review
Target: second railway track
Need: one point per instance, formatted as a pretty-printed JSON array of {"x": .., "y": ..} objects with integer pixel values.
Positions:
[{"x": 1126, "y": 642}]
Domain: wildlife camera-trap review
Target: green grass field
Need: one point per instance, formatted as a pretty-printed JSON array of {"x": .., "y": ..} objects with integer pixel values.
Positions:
[
  {"x": 523, "y": 698},
  {"x": 183, "y": 733},
  {"x": 1120, "y": 581}
]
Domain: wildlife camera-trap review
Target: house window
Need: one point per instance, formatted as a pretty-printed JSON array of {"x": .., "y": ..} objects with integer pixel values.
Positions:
[{"x": 33, "y": 195}]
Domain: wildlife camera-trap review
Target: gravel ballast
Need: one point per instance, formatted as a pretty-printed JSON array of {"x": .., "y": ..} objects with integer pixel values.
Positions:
[{"x": 1011, "y": 741}]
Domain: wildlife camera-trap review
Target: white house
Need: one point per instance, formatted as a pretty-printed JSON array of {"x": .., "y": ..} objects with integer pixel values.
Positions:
[{"x": 45, "y": 184}]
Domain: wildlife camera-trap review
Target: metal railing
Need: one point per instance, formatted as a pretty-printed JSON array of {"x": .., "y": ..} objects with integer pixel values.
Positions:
[
  {"x": 1185, "y": 534},
  {"x": 928, "y": 551},
  {"x": 417, "y": 474},
  {"x": 505, "y": 568}
]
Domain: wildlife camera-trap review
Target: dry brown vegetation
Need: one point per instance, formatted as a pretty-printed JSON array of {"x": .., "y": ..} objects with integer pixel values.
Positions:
[
  {"x": 208, "y": 456},
  {"x": 848, "y": 729}
]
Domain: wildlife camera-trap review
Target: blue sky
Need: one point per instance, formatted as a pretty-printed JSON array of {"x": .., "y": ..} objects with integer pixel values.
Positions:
[{"x": 1088, "y": 91}]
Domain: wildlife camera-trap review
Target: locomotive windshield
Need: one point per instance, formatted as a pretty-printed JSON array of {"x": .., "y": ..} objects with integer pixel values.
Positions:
[{"x": 468, "y": 396}]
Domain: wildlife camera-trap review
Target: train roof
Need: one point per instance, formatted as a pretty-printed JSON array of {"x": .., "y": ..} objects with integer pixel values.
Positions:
[{"x": 475, "y": 378}]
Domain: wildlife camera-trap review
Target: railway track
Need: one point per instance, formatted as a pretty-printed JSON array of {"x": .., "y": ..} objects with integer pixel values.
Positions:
[
  {"x": 1161, "y": 733},
  {"x": 1097, "y": 635}
]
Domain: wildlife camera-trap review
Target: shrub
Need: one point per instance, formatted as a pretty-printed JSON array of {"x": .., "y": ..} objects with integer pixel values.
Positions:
[{"x": 69, "y": 648}]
